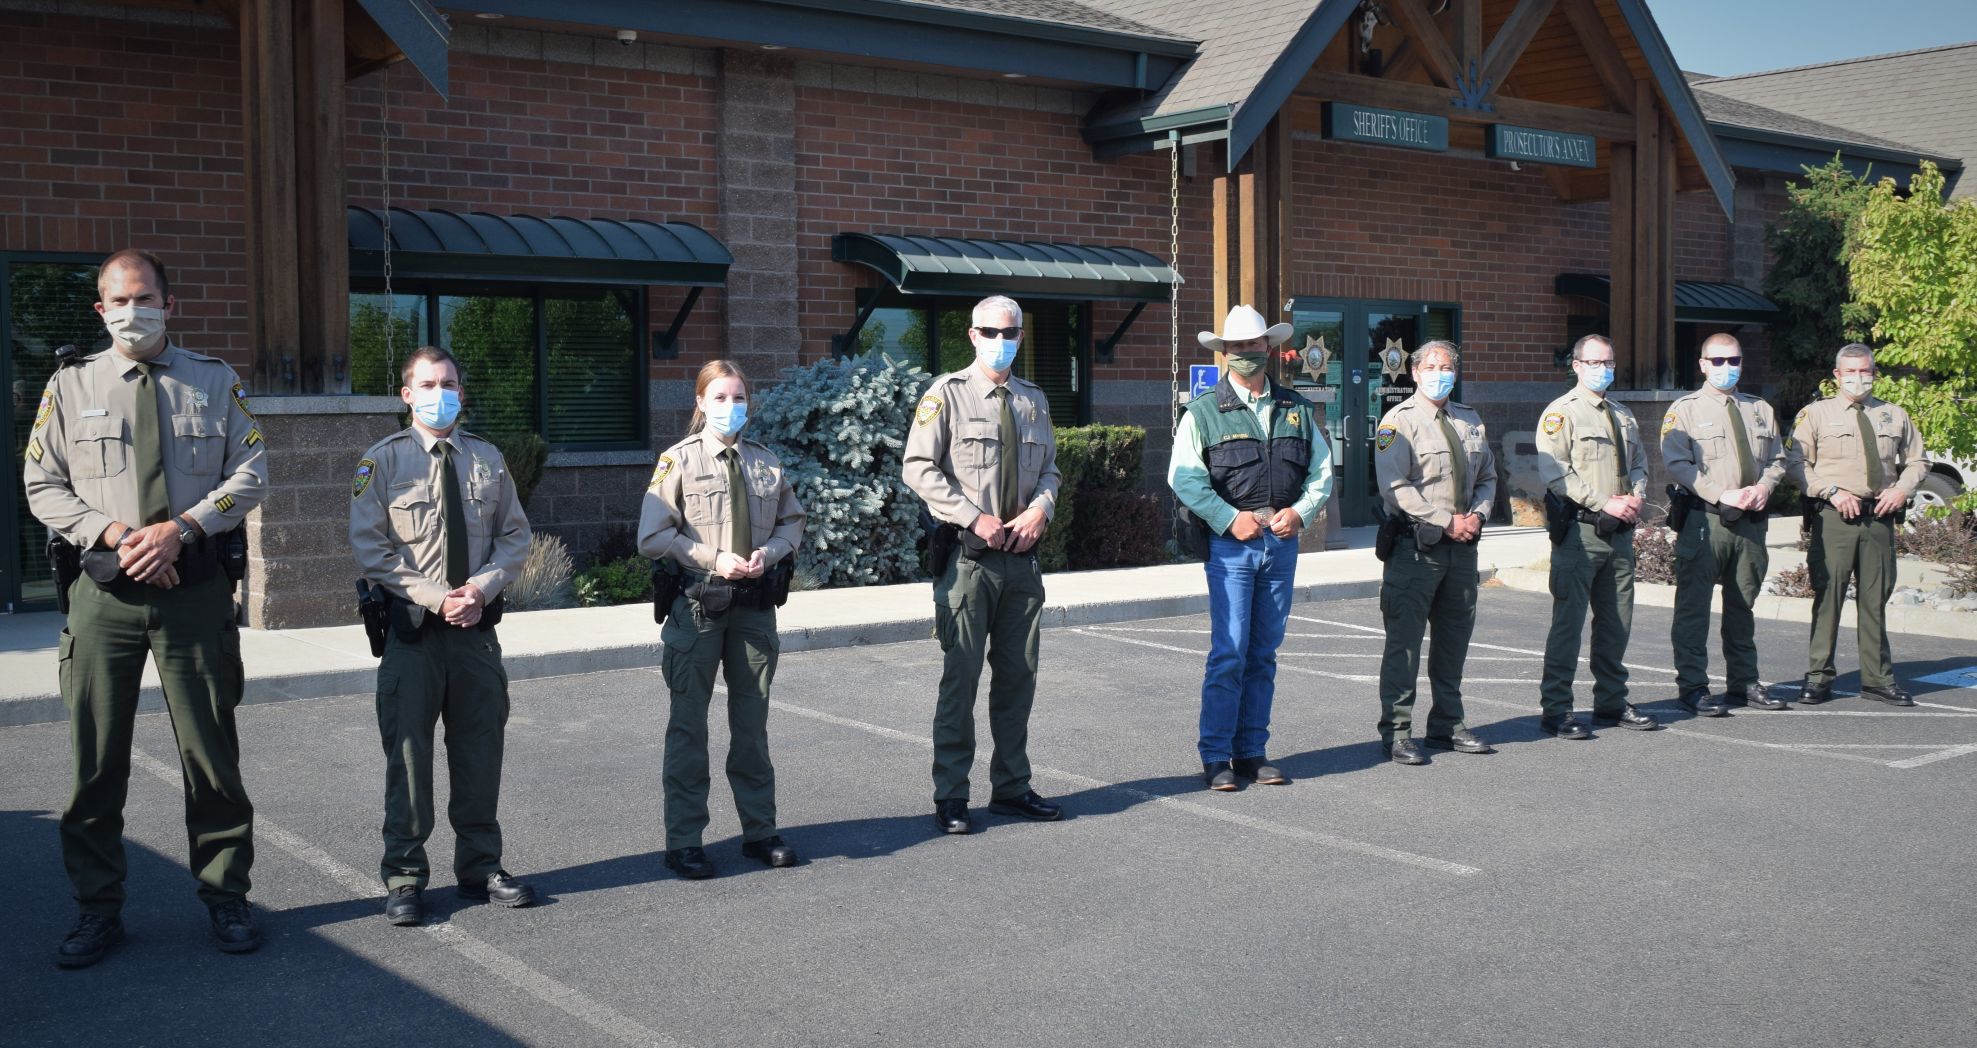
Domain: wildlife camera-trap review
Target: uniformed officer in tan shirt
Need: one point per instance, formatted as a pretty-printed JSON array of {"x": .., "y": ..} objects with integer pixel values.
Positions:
[
  {"x": 1434, "y": 466},
  {"x": 983, "y": 456},
  {"x": 721, "y": 510},
  {"x": 144, "y": 456},
  {"x": 1724, "y": 446},
  {"x": 1590, "y": 453},
  {"x": 1858, "y": 491},
  {"x": 435, "y": 520}
]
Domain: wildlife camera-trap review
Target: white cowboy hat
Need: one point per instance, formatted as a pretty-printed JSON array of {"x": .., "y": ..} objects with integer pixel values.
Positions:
[{"x": 1243, "y": 324}]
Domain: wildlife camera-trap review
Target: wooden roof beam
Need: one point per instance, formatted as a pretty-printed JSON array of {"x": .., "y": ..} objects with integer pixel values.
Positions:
[
  {"x": 1607, "y": 62},
  {"x": 1513, "y": 38},
  {"x": 1437, "y": 57}
]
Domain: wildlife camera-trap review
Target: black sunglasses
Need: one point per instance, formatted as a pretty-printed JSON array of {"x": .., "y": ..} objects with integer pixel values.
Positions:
[
  {"x": 1008, "y": 332},
  {"x": 1717, "y": 362}
]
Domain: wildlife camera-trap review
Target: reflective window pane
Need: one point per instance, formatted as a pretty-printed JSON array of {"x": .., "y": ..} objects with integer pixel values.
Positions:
[
  {"x": 594, "y": 379},
  {"x": 493, "y": 337}
]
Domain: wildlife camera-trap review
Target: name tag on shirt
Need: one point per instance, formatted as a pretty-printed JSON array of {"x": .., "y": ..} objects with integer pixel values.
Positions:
[{"x": 94, "y": 412}]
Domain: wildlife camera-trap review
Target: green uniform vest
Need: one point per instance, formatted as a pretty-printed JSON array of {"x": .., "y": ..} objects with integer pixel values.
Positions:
[{"x": 1247, "y": 470}]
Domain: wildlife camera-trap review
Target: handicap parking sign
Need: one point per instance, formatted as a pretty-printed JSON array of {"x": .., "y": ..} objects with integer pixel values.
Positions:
[{"x": 1202, "y": 379}]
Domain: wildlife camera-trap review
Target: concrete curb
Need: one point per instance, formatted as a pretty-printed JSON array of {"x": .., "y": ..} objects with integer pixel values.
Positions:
[
  {"x": 48, "y": 708},
  {"x": 1958, "y": 625}
]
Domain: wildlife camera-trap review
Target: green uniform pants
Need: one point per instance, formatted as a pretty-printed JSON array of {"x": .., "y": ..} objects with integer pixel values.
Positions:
[
  {"x": 1709, "y": 553},
  {"x": 987, "y": 609},
  {"x": 1587, "y": 570},
  {"x": 1864, "y": 551},
  {"x": 1419, "y": 588},
  {"x": 189, "y": 631},
  {"x": 453, "y": 675},
  {"x": 742, "y": 645}
]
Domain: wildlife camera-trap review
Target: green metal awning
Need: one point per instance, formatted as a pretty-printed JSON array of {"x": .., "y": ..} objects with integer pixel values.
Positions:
[
  {"x": 918, "y": 265},
  {"x": 1696, "y": 301},
  {"x": 448, "y": 245}
]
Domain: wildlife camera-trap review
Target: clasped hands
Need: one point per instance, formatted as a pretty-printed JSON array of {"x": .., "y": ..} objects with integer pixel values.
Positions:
[
  {"x": 1283, "y": 524},
  {"x": 1016, "y": 536},
  {"x": 148, "y": 554}
]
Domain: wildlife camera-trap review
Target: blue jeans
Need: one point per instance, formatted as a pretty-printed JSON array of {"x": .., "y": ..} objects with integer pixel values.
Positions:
[{"x": 1249, "y": 603}]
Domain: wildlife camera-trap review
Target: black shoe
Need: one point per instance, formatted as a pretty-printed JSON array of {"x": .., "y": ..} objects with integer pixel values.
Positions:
[
  {"x": 1628, "y": 717},
  {"x": 501, "y": 888},
  {"x": 1462, "y": 741},
  {"x": 1701, "y": 703},
  {"x": 1814, "y": 694},
  {"x": 952, "y": 817},
  {"x": 233, "y": 927},
  {"x": 93, "y": 936},
  {"x": 1220, "y": 776},
  {"x": 1566, "y": 727},
  {"x": 405, "y": 906},
  {"x": 1407, "y": 751},
  {"x": 1260, "y": 771},
  {"x": 771, "y": 850},
  {"x": 1890, "y": 694},
  {"x": 1030, "y": 806},
  {"x": 1757, "y": 697},
  {"x": 691, "y": 863}
]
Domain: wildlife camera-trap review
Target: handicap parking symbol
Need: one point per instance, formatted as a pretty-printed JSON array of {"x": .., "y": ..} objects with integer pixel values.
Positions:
[
  {"x": 1202, "y": 379},
  {"x": 1961, "y": 677}
]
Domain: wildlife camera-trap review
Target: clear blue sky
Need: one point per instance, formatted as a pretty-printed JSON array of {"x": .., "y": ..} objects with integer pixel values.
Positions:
[{"x": 1722, "y": 37}]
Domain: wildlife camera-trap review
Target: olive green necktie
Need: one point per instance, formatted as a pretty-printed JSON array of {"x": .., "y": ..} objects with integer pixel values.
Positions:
[
  {"x": 153, "y": 499},
  {"x": 1871, "y": 448},
  {"x": 456, "y": 517},
  {"x": 1011, "y": 450},
  {"x": 741, "y": 533},
  {"x": 1742, "y": 437},
  {"x": 1459, "y": 459},
  {"x": 1619, "y": 447}
]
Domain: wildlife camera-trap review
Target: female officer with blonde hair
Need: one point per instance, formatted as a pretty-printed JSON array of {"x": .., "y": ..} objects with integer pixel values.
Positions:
[{"x": 720, "y": 509}]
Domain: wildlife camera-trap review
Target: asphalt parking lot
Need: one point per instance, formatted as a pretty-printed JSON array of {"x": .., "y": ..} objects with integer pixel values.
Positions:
[{"x": 1792, "y": 878}]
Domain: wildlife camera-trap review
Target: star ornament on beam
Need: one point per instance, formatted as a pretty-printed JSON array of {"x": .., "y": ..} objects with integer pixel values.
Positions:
[
  {"x": 1316, "y": 356},
  {"x": 1393, "y": 360}
]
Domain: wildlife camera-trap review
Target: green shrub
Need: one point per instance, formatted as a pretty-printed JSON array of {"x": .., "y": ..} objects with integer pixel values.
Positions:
[
  {"x": 627, "y": 580},
  {"x": 1103, "y": 520},
  {"x": 1073, "y": 452},
  {"x": 544, "y": 581},
  {"x": 526, "y": 454},
  {"x": 1122, "y": 529},
  {"x": 840, "y": 427}
]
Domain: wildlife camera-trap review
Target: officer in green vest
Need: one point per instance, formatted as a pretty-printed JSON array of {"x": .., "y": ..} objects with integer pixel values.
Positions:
[
  {"x": 436, "y": 523},
  {"x": 1437, "y": 478},
  {"x": 1725, "y": 450},
  {"x": 143, "y": 457},
  {"x": 1250, "y": 464},
  {"x": 1860, "y": 458},
  {"x": 983, "y": 456},
  {"x": 1593, "y": 462}
]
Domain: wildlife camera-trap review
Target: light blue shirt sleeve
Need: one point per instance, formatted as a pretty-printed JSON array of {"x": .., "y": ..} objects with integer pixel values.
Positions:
[
  {"x": 1317, "y": 479},
  {"x": 1187, "y": 474}
]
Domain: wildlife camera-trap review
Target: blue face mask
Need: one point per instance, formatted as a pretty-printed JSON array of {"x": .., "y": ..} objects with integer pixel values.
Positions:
[
  {"x": 727, "y": 419},
  {"x": 997, "y": 354},
  {"x": 1437, "y": 385},
  {"x": 437, "y": 407},
  {"x": 1597, "y": 379},
  {"x": 1726, "y": 376}
]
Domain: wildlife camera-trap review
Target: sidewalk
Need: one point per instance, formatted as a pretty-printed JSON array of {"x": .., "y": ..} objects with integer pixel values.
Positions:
[{"x": 336, "y": 660}]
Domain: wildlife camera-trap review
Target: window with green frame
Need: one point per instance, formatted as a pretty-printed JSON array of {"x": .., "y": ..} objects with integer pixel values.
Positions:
[{"x": 561, "y": 361}]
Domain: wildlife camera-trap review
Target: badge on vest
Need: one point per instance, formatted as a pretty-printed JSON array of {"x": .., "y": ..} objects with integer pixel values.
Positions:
[
  {"x": 482, "y": 473},
  {"x": 199, "y": 400},
  {"x": 1293, "y": 417}
]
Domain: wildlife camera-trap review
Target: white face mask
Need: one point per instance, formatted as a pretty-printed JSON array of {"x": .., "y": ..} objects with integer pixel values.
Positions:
[
  {"x": 135, "y": 328},
  {"x": 1857, "y": 386}
]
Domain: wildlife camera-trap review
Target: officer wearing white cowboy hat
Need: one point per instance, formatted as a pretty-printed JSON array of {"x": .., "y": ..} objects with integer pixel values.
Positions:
[{"x": 1249, "y": 462}]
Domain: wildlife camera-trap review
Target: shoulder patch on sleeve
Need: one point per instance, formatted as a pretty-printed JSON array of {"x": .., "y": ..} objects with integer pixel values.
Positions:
[
  {"x": 930, "y": 406},
  {"x": 1554, "y": 422},
  {"x": 660, "y": 472},
  {"x": 1384, "y": 438},
  {"x": 365, "y": 471},
  {"x": 240, "y": 400},
  {"x": 47, "y": 407},
  {"x": 1800, "y": 420},
  {"x": 1668, "y": 423}
]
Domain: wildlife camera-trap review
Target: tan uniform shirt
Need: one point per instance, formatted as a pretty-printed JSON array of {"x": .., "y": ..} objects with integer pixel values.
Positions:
[
  {"x": 80, "y": 475},
  {"x": 1576, "y": 455},
  {"x": 954, "y": 451},
  {"x": 685, "y": 515},
  {"x": 1700, "y": 449},
  {"x": 1826, "y": 451},
  {"x": 398, "y": 516},
  {"x": 1415, "y": 465}
]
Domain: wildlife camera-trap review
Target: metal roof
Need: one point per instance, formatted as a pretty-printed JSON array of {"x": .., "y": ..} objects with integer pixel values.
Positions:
[
  {"x": 477, "y": 246},
  {"x": 919, "y": 265},
  {"x": 1695, "y": 300}
]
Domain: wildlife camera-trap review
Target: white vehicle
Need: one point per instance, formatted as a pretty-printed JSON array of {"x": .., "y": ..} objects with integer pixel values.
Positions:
[{"x": 1948, "y": 477}]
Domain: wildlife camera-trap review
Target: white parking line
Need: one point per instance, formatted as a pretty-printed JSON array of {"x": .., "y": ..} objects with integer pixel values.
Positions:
[
  {"x": 1499, "y": 647},
  {"x": 1278, "y": 829},
  {"x": 568, "y": 999},
  {"x": 1939, "y": 755}
]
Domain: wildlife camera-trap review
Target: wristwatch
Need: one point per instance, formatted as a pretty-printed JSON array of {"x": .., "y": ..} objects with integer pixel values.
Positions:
[{"x": 186, "y": 534}]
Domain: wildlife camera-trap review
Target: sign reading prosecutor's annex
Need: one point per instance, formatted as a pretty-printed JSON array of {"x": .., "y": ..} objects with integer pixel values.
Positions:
[
  {"x": 1541, "y": 147},
  {"x": 1346, "y": 122}
]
